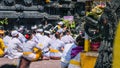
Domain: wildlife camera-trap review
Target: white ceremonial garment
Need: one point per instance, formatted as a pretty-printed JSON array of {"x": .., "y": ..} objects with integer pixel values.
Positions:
[
  {"x": 6, "y": 39},
  {"x": 67, "y": 39},
  {"x": 75, "y": 62},
  {"x": 28, "y": 52},
  {"x": 66, "y": 55},
  {"x": 21, "y": 37},
  {"x": 56, "y": 45},
  {"x": 14, "y": 49}
]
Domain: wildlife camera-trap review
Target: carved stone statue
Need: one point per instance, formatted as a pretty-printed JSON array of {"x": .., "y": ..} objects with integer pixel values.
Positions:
[
  {"x": 9, "y": 2},
  {"x": 28, "y": 2},
  {"x": 107, "y": 29},
  {"x": 107, "y": 25}
]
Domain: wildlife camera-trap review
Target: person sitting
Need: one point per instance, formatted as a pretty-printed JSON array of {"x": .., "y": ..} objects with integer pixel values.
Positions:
[
  {"x": 71, "y": 51},
  {"x": 58, "y": 27},
  {"x": 75, "y": 53},
  {"x": 56, "y": 47},
  {"x": 28, "y": 49},
  {"x": 66, "y": 57},
  {"x": 46, "y": 44},
  {"x": 14, "y": 49},
  {"x": 31, "y": 52},
  {"x": 67, "y": 38},
  {"x": 2, "y": 46}
]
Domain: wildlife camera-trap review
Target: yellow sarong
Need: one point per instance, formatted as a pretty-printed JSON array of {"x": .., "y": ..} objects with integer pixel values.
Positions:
[
  {"x": 74, "y": 62},
  {"x": 37, "y": 52},
  {"x": 54, "y": 50}
]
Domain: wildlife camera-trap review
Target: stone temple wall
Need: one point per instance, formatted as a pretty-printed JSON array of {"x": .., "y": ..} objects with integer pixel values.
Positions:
[{"x": 22, "y": 12}]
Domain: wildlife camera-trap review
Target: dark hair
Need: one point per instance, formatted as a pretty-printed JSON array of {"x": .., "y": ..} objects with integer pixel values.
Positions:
[
  {"x": 67, "y": 31},
  {"x": 102, "y": 19},
  {"x": 97, "y": 39},
  {"x": 80, "y": 40},
  {"x": 47, "y": 34},
  {"x": 33, "y": 32},
  {"x": 57, "y": 35},
  {"x": 7, "y": 32}
]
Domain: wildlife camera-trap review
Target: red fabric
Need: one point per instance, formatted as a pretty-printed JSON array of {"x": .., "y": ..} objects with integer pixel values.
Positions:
[
  {"x": 95, "y": 46},
  {"x": 27, "y": 36}
]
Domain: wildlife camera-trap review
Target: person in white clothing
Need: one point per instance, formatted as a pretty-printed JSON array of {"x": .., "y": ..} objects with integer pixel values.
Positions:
[
  {"x": 21, "y": 36},
  {"x": 14, "y": 49},
  {"x": 67, "y": 38},
  {"x": 66, "y": 57},
  {"x": 39, "y": 35},
  {"x": 29, "y": 54},
  {"x": 58, "y": 26},
  {"x": 28, "y": 47},
  {"x": 39, "y": 32},
  {"x": 56, "y": 47},
  {"x": 40, "y": 38},
  {"x": 35, "y": 39},
  {"x": 75, "y": 61},
  {"x": 7, "y": 38},
  {"x": 46, "y": 44}
]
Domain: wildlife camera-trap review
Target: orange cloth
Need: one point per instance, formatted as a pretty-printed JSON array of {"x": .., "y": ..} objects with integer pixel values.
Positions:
[
  {"x": 47, "y": 1},
  {"x": 2, "y": 31}
]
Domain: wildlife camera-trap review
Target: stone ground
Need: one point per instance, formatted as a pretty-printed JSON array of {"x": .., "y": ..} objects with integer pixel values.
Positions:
[{"x": 37, "y": 64}]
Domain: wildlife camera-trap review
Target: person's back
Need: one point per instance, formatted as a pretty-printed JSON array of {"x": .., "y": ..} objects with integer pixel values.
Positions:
[
  {"x": 46, "y": 43},
  {"x": 66, "y": 57},
  {"x": 75, "y": 53},
  {"x": 31, "y": 51},
  {"x": 21, "y": 37},
  {"x": 67, "y": 38},
  {"x": 28, "y": 46},
  {"x": 56, "y": 47},
  {"x": 6, "y": 39},
  {"x": 14, "y": 49}
]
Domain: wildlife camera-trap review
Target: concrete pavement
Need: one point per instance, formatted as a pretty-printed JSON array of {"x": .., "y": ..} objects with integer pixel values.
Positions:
[{"x": 37, "y": 64}]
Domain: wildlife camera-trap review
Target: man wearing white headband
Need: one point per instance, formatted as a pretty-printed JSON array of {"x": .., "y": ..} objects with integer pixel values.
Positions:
[{"x": 58, "y": 27}]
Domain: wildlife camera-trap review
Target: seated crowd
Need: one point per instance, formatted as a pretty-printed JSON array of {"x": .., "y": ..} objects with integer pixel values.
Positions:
[{"x": 41, "y": 44}]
